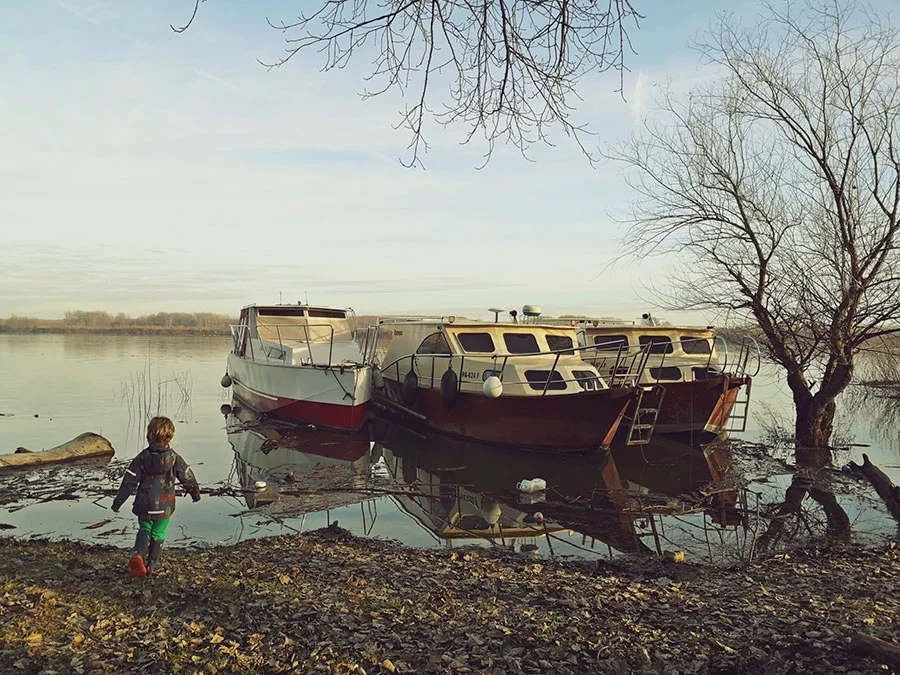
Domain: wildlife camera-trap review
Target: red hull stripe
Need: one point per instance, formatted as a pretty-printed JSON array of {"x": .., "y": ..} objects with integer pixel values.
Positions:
[{"x": 328, "y": 415}]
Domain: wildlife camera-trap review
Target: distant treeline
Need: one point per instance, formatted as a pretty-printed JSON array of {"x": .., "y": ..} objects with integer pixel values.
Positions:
[{"x": 80, "y": 321}]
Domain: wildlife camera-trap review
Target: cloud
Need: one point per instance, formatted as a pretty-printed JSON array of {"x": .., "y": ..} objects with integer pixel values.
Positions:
[{"x": 637, "y": 103}]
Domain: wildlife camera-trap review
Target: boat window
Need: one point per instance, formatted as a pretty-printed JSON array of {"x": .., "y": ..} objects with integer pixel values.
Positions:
[
  {"x": 435, "y": 343},
  {"x": 659, "y": 344},
  {"x": 521, "y": 343},
  {"x": 281, "y": 311},
  {"x": 587, "y": 380},
  {"x": 537, "y": 379},
  {"x": 610, "y": 343},
  {"x": 693, "y": 345},
  {"x": 704, "y": 373},
  {"x": 476, "y": 342},
  {"x": 327, "y": 313},
  {"x": 560, "y": 343},
  {"x": 667, "y": 373}
]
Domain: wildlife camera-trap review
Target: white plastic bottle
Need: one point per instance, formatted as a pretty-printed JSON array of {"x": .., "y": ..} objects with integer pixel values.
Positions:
[{"x": 533, "y": 485}]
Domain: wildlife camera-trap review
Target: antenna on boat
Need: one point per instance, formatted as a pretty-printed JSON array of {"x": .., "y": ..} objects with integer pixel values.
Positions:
[{"x": 496, "y": 313}]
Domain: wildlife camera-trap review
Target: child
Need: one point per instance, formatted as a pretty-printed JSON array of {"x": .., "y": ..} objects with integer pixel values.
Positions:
[{"x": 152, "y": 475}]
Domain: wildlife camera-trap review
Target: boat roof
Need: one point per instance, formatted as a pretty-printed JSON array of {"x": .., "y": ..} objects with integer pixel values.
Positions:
[
  {"x": 298, "y": 306},
  {"x": 612, "y": 322},
  {"x": 469, "y": 323}
]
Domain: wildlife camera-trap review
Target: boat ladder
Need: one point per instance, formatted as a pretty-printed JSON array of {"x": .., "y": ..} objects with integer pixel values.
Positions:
[
  {"x": 640, "y": 431},
  {"x": 740, "y": 411}
]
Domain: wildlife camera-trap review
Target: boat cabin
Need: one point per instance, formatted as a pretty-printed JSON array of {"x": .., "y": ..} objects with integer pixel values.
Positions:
[
  {"x": 528, "y": 359},
  {"x": 673, "y": 353},
  {"x": 296, "y": 335}
]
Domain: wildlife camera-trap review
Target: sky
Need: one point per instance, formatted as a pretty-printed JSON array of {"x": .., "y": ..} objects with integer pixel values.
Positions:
[{"x": 144, "y": 171}]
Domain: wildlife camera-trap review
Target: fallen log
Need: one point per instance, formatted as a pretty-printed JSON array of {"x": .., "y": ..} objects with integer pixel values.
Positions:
[
  {"x": 884, "y": 486},
  {"x": 881, "y": 651},
  {"x": 85, "y": 446}
]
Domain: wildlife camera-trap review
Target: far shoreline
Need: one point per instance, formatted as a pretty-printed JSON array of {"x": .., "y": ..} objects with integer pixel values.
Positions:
[{"x": 113, "y": 330}]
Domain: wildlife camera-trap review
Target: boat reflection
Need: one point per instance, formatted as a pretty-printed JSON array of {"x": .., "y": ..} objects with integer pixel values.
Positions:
[
  {"x": 631, "y": 500},
  {"x": 601, "y": 502},
  {"x": 295, "y": 470}
]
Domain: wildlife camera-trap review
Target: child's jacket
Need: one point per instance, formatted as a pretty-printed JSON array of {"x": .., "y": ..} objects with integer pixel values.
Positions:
[{"x": 152, "y": 475}]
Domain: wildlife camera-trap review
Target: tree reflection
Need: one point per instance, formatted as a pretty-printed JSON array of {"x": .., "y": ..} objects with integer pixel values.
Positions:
[{"x": 794, "y": 519}]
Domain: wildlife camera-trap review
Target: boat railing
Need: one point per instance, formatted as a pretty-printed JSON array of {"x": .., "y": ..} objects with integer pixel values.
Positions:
[
  {"x": 242, "y": 335},
  {"x": 623, "y": 375},
  {"x": 748, "y": 353},
  {"x": 628, "y": 363},
  {"x": 368, "y": 343},
  {"x": 747, "y": 359}
]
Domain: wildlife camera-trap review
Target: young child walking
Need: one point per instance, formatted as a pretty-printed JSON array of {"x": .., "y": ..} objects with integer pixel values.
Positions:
[{"x": 152, "y": 476}]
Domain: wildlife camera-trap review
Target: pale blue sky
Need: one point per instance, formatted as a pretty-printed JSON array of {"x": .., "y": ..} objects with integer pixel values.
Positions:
[{"x": 145, "y": 171}]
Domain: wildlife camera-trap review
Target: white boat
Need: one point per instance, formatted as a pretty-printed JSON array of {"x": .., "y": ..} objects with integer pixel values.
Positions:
[{"x": 301, "y": 363}]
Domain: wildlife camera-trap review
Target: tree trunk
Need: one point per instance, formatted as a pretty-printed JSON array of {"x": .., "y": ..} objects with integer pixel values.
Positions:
[
  {"x": 85, "y": 446},
  {"x": 884, "y": 652},
  {"x": 815, "y": 421}
]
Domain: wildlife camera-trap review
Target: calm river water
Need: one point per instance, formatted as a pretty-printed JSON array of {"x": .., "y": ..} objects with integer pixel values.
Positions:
[{"x": 390, "y": 482}]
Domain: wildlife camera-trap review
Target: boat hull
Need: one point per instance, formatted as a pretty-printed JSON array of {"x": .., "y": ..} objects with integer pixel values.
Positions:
[
  {"x": 330, "y": 397},
  {"x": 576, "y": 422},
  {"x": 699, "y": 407}
]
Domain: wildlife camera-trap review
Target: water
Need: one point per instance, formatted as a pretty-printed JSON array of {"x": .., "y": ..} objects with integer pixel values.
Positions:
[{"x": 389, "y": 482}]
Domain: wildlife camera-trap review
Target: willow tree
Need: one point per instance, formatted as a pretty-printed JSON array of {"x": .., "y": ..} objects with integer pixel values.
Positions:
[
  {"x": 777, "y": 185},
  {"x": 506, "y": 70}
]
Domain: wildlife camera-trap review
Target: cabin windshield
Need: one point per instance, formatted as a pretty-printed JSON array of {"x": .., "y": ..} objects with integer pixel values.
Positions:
[
  {"x": 435, "y": 343},
  {"x": 610, "y": 343},
  {"x": 478, "y": 343},
  {"x": 521, "y": 343},
  {"x": 659, "y": 344},
  {"x": 695, "y": 345},
  {"x": 560, "y": 343},
  {"x": 291, "y": 324}
]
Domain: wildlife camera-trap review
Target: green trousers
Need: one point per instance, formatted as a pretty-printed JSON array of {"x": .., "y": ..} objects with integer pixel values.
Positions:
[{"x": 156, "y": 528}]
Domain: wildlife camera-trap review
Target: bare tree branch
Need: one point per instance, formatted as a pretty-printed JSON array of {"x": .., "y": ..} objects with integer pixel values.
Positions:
[
  {"x": 779, "y": 186},
  {"x": 504, "y": 69}
]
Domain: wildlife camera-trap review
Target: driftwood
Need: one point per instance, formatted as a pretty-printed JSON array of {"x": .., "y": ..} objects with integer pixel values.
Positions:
[
  {"x": 85, "y": 446},
  {"x": 889, "y": 493},
  {"x": 881, "y": 651}
]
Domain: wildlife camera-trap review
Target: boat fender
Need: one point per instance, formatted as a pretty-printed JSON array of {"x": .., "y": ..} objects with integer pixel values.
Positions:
[
  {"x": 493, "y": 387},
  {"x": 410, "y": 388},
  {"x": 449, "y": 387},
  {"x": 226, "y": 381}
]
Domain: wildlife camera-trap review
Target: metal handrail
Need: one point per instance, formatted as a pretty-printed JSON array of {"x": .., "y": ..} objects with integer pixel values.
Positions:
[
  {"x": 569, "y": 351},
  {"x": 747, "y": 343},
  {"x": 238, "y": 331}
]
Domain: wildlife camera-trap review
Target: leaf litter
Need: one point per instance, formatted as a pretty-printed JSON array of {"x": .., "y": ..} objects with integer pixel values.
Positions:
[{"x": 326, "y": 601}]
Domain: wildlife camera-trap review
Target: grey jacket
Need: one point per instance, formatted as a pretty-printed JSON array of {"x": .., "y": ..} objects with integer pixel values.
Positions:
[{"x": 152, "y": 476}]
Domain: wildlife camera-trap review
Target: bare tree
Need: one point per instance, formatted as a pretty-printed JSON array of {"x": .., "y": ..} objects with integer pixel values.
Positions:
[
  {"x": 506, "y": 69},
  {"x": 778, "y": 186}
]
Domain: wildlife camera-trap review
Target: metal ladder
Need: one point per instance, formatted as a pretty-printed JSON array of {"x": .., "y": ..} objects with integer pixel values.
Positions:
[
  {"x": 740, "y": 411},
  {"x": 644, "y": 420}
]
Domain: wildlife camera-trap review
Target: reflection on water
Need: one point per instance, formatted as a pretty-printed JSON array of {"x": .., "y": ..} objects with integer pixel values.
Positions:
[
  {"x": 600, "y": 503},
  {"x": 292, "y": 471},
  {"x": 712, "y": 503},
  {"x": 634, "y": 500}
]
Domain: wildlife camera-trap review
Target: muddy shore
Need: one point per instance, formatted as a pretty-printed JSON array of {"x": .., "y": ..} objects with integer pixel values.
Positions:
[{"x": 329, "y": 602}]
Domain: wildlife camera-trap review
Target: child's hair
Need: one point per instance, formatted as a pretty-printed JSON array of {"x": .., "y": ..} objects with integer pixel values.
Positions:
[{"x": 160, "y": 431}]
